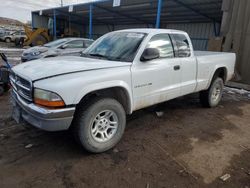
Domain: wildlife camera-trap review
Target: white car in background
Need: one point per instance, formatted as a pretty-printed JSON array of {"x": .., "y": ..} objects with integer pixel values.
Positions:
[
  {"x": 13, "y": 36},
  {"x": 65, "y": 46}
]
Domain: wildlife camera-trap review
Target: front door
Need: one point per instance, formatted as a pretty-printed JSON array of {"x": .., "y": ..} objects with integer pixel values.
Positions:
[
  {"x": 188, "y": 62},
  {"x": 157, "y": 80}
]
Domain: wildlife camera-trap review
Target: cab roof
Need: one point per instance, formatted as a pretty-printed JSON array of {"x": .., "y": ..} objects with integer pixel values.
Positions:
[{"x": 154, "y": 31}]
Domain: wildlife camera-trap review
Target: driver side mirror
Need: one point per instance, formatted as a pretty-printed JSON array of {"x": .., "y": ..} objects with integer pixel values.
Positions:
[{"x": 150, "y": 54}]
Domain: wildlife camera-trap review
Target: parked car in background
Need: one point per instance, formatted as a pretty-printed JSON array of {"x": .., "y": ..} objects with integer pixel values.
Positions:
[
  {"x": 4, "y": 33},
  {"x": 120, "y": 73},
  {"x": 14, "y": 36},
  {"x": 65, "y": 46}
]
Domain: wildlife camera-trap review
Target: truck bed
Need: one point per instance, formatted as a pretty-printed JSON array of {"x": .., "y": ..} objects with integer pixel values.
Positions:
[
  {"x": 208, "y": 62},
  {"x": 208, "y": 53}
]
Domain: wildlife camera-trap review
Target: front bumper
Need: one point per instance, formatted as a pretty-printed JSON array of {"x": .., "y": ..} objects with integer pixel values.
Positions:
[{"x": 42, "y": 118}]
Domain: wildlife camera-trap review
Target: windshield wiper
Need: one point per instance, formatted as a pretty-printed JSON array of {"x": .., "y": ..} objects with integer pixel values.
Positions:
[
  {"x": 98, "y": 55},
  {"x": 94, "y": 55}
]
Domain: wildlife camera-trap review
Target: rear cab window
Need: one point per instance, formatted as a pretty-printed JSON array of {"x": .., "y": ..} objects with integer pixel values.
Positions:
[{"x": 181, "y": 45}]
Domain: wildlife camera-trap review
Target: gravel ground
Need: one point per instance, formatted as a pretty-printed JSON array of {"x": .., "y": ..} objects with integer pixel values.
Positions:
[
  {"x": 13, "y": 53},
  {"x": 189, "y": 146}
]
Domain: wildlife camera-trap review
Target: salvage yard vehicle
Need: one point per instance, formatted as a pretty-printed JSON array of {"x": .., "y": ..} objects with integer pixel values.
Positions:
[
  {"x": 123, "y": 71},
  {"x": 66, "y": 46},
  {"x": 12, "y": 37}
]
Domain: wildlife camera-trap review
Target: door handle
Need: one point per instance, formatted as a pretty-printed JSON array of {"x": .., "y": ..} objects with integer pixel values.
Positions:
[{"x": 177, "y": 67}]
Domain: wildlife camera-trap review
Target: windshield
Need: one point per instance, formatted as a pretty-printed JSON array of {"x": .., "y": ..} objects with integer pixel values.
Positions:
[
  {"x": 56, "y": 43},
  {"x": 120, "y": 46}
]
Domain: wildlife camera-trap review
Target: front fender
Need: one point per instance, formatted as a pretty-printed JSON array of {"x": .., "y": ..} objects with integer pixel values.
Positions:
[{"x": 105, "y": 85}]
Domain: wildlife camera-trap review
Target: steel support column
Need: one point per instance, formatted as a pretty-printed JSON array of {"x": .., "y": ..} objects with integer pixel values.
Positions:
[
  {"x": 54, "y": 24},
  {"x": 32, "y": 20},
  {"x": 158, "y": 18},
  {"x": 90, "y": 21}
]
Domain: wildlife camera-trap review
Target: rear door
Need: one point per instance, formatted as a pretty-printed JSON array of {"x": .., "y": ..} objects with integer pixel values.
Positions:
[
  {"x": 157, "y": 80},
  {"x": 183, "y": 52}
]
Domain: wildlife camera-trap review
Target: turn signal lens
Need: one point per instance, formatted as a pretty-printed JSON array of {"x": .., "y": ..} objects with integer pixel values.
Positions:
[{"x": 47, "y": 99}]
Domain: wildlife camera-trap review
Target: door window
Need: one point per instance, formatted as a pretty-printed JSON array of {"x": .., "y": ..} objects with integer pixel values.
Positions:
[
  {"x": 163, "y": 43},
  {"x": 87, "y": 43},
  {"x": 75, "y": 44},
  {"x": 182, "y": 44}
]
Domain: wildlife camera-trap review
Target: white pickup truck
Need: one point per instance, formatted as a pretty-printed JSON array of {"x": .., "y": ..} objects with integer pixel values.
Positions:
[{"x": 123, "y": 71}]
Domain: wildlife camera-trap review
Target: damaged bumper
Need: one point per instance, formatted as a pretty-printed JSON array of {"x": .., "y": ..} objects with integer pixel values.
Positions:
[{"x": 42, "y": 118}]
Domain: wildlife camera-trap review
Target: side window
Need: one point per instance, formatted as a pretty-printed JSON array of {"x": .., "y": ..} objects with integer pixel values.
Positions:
[
  {"x": 183, "y": 47},
  {"x": 75, "y": 44},
  {"x": 163, "y": 43},
  {"x": 87, "y": 43}
]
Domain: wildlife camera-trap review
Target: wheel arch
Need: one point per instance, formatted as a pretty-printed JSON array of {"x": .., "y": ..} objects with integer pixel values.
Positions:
[
  {"x": 219, "y": 71},
  {"x": 119, "y": 92},
  {"x": 7, "y": 38}
]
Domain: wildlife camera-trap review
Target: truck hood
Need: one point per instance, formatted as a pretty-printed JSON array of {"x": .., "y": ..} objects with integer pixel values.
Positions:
[{"x": 50, "y": 67}]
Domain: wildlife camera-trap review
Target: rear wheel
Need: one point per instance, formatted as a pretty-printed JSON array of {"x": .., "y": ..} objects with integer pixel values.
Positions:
[
  {"x": 100, "y": 125},
  {"x": 8, "y": 40},
  {"x": 212, "y": 97}
]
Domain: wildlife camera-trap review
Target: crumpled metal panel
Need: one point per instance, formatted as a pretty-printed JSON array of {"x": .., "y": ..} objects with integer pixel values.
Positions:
[{"x": 236, "y": 29}]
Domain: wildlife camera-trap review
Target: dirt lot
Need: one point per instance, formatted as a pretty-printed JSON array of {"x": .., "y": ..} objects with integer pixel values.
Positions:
[{"x": 188, "y": 146}]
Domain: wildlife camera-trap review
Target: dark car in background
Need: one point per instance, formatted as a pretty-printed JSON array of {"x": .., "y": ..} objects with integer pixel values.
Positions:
[{"x": 60, "y": 47}]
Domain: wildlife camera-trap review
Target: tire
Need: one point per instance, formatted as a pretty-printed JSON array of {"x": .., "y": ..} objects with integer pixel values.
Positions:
[
  {"x": 211, "y": 98},
  {"x": 1, "y": 90},
  {"x": 94, "y": 124},
  {"x": 17, "y": 41},
  {"x": 8, "y": 40},
  {"x": 6, "y": 87}
]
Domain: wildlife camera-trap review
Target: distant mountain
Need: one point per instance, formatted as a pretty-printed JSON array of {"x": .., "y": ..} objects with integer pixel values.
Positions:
[{"x": 10, "y": 22}]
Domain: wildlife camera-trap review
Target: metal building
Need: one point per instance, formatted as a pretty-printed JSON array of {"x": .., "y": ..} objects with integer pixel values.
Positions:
[
  {"x": 202, "y": 19},
  {"x": 236, "y": 30}
]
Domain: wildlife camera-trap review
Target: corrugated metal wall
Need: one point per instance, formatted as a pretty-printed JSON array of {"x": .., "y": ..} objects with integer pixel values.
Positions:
[
  {"x": 236, "y": 29},
  {"x": 199, "y": 32},
  {"x": 99, "y": 30},
  {"x": 40, "y": 21}
]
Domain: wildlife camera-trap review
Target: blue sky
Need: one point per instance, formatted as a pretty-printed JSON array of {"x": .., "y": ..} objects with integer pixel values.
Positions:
[{"x": 21, "y": 9}]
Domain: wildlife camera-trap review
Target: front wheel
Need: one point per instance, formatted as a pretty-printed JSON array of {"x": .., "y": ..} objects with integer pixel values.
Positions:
[
  {"x": 100, "y": 125},
  {"x": 212, "y": 97}
]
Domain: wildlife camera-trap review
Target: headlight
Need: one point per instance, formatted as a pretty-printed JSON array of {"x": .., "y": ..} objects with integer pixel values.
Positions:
[
  {"x": 47, "y": 98},
  {"x": 36, "y": 53}
]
